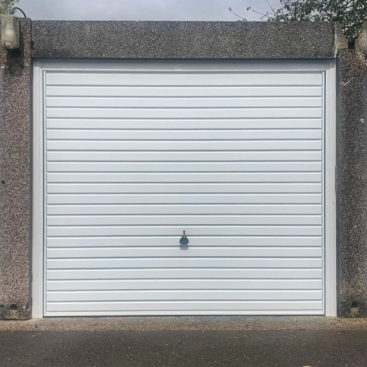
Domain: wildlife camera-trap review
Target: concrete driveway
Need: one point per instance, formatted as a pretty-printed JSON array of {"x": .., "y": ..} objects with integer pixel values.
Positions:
[{"x": 234, "y": 341}]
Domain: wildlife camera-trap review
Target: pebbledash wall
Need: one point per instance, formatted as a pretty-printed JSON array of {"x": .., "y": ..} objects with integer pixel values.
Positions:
[{"x": 180, "y": 40}]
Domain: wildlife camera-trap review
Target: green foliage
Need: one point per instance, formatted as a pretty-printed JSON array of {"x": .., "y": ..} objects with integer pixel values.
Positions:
[
  {"x": 7, "y": 5},
  {"x": 349, "y": 13}
]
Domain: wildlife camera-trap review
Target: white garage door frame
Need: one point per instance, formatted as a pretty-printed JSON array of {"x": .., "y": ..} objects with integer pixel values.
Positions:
[{"x": 328, "y": 70}]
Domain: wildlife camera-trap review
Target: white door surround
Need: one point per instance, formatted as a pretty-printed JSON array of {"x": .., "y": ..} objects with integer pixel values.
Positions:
[{"x": 241, "y": 155}]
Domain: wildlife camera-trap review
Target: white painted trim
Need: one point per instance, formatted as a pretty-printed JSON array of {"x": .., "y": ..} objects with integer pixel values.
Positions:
[
  {"x": 207, "y": 65},
  {"x": 41, "y": 67},
  {"x": 330, "y": 194},
  {"x": 37, "y": 229}
]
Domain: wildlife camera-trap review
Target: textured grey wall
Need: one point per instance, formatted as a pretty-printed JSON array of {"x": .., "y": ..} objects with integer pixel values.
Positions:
[
  {"x": 352, "y": 187},
  {"x": 180, "y": 40},
  {"x": 15, "y": 176}
]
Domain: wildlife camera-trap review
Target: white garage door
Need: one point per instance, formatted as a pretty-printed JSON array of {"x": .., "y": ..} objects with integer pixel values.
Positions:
[{"x": 230, "y": 153}]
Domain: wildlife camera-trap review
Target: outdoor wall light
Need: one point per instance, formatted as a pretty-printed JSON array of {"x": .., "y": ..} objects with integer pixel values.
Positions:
[{"x": 9, "y": 32}]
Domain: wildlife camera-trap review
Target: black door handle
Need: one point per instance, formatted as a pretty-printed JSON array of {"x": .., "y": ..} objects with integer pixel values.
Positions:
[{"x": 184, "y": 242}]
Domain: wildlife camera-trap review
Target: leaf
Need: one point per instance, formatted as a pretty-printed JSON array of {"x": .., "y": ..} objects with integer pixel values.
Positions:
[{"x": 349, "y": 13}]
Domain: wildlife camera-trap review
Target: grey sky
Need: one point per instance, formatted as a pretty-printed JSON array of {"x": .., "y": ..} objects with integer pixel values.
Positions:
[{"x": 142, "y": 9}]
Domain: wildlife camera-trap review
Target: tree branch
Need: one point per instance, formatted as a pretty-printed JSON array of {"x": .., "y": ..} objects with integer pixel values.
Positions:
[{"x": 237, "y": 15}]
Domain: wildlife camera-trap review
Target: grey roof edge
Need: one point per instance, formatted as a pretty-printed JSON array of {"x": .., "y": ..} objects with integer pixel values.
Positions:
[{"x": 183, "y": 40}]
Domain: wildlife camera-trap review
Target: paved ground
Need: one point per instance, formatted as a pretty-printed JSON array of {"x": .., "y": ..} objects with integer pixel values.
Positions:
[{"x": 229, "y": 342}]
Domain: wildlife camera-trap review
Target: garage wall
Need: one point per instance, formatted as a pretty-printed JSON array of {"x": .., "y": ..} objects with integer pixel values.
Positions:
[
  {"x": 15, "y": 178},
  {"x": 183, "y": 40},
  {"x": 176, "y": 40},
  {"x": 352, "y": 184}
]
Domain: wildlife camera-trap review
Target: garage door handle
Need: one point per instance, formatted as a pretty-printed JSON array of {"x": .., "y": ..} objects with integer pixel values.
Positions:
[{"x": 184, "y": 242}]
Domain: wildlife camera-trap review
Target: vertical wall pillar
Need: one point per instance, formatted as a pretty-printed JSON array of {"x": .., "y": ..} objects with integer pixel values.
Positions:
[
  {"x": 352, "y": 187},
  {"x": 16, "y": 178}
]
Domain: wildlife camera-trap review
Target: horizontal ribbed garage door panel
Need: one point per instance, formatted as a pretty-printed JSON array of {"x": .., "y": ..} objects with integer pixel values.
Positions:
[
  {"x": 139, "y": 135},
  {"x": 215, "y": 230},
  {"x": 193, "y": 91},
  {"x": 184, "y": 167},
  {"x": 168, "y": 241},
  {"x": 139, "y": 177},
  {"x": 191, "y": 113},
  {"x": 114, "y": 220},
  {"x": 184, "y": 295},
  {"x": 244, "y": 209},
  {"x": 178, "y": 306},
  {"x": 183, "y": 262},
  {"x": 185, "y": 273},
  {"x": 172, "y": 156},
  {"x": 185, "y": 284},
  {"x": 183, "y": 78},
  {"x": 184, "y": 124},
  {"x": 137, "y": 154},
  {"x": 227, "y": 145},
  {"x": 171, "y": 102},
  {"x": 177, "y": 188},
  {"x": 111, "y": 252},
  {"x": 184, "y": 199}
]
